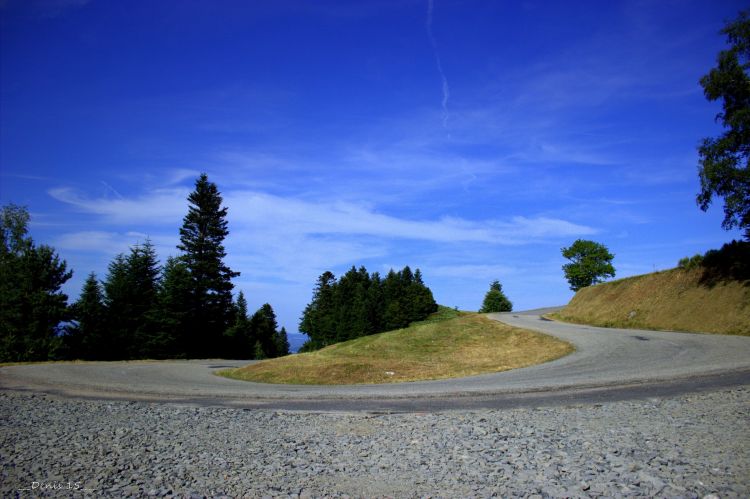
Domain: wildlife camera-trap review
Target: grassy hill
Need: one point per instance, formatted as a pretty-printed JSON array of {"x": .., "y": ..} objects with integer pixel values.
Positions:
[
  {"x": 693, "y": 299},
  {"x": 449, "y": 344}
]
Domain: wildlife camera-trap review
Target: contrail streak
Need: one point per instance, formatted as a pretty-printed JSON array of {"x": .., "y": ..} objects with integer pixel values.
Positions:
[{"x": 439, "y": 64}]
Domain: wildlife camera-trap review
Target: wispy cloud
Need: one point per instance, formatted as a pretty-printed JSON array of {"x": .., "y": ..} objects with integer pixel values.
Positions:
[
  {"x": 438, "y": 62},
  {"x": 254, "y": 211},
  {"x": 156, "y": 207},
  {"x": 112, "y": 243}
]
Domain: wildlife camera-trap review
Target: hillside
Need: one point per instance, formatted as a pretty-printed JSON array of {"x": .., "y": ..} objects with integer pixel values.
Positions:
[
  {"x": 445, "y": 346},
  {"x": 678, "y": 299}
]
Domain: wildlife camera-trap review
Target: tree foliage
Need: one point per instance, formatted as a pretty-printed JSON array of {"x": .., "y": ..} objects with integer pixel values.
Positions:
[
  {"x": 173, "y": 306},
  {"x": 202, "y": 235},
  {"x": 87, "y": 336},
  {"x": 360, "y": 304},
  {"x": 140, "y": 310},
  {"x": 32, "y": 305},
  {"x": 723, "y": 169},
  {"x": 495, "y": 300},
  {"x": 239, "y": 338},
  {"x": 590, "y": 263}
]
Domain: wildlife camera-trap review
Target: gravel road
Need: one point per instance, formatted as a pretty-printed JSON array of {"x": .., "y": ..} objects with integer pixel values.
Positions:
[{"x": 687, "y": 446}]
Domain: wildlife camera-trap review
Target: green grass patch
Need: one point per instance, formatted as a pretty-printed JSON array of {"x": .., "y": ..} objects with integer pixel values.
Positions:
[{"x": 449, "y": 344}]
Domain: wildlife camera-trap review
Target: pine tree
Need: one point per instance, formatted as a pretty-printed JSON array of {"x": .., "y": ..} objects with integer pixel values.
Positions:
[
  {"x": 395, "y": 315},
  {"x": 201, "y": 241},
  {"x": 118, "y": 312},
  {"x": 264, "y": 328},
  {"x": 131, "y": 299},
  {"x": 32, "y": 306},
  {"x": 144, "y": 276},
  {"x": 318, "y": 318},
  {"x": 359, "y": 304},
  {"x": 282, "y": 343},
  {"x": 350, "y": 297},
  {"x": 239, "y": 338},
  {"x": 174, "y": 308},
  {"x": 420, "y": 301},
  {"x": 495, "y": 300},
  {"x": 87, "y": 338}
]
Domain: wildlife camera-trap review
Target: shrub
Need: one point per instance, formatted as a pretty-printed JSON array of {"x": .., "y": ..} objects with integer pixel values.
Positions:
[{"x": 689, "y": 263}]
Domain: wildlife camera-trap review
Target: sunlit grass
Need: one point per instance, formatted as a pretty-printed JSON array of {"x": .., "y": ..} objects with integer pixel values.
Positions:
[
  {"x": 669, "y": 300},
  {"x": 464, "y": 345}
]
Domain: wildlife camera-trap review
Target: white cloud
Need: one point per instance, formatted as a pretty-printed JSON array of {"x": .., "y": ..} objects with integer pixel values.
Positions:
[
  {"x": 253, "y": 211},
  {"x": 112, "y": 243},
  {"x": 289, "y": 215},
  {"x": 159, "y": 206}
]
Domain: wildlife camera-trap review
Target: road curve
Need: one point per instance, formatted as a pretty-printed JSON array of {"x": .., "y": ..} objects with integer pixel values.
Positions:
[{"x": 608, "y": 364}]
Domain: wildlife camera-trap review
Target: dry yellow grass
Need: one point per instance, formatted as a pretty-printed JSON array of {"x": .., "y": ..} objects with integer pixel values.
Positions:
[
  {"x": 464, "y": 346},
  {"x": 671, "y": 300}
]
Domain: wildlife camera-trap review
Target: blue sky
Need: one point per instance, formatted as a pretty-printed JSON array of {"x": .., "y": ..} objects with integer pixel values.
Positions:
[{"x": 470, "y": 139}]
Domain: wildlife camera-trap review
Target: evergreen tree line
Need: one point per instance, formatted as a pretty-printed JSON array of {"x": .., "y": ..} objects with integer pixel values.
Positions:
[
  {"x": 360, "y": 304},
  {"x": 140, "y": 310}
]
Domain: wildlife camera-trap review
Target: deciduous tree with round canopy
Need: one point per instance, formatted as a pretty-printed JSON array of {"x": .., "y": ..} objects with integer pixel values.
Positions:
[{"x": 590, "y": 263}]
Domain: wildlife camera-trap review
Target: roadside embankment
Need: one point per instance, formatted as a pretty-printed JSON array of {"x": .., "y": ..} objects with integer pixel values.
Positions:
[{"x": 676, "y": 300}]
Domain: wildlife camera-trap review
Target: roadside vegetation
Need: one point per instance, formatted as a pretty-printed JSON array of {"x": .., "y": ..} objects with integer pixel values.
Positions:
[
  {"x": 707, "y": 293},
  {"x": 449, "y": 344}
]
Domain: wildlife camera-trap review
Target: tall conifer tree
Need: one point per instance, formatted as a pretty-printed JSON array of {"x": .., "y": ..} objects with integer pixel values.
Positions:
[
  {"x": 174, "y": 308},
  {"x": 131, "y": 301},
  {"x": 264, "y": 327},
  {"x": 239, "y": 338},
  {"x": 202, "y": 235},
  {"x": 86, "y": 339}
]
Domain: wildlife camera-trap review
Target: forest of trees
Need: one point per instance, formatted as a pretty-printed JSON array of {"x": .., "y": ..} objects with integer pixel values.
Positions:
[
  {"x": 359, "y": 304},
  {"x": 183, "y": 309}
]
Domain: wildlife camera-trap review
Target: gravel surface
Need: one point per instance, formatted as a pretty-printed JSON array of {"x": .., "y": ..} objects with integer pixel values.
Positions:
[{"x": 686, "y": 446}]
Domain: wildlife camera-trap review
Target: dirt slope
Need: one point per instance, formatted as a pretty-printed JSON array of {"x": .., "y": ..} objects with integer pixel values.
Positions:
[{"x": 679, "y": 300}]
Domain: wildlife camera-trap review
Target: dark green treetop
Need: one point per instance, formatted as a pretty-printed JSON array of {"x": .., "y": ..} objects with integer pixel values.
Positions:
[
  {"x": 32, "y": 305},
  {"x": 240, "y": 337},
  {"x": 202, "y": 235},
  {"x": 723, "y": 169},
  {"x": 131, "y": 297},
  {"x": 282, "y": 342},
  {"x": 88, "y": 336},
  {"x": 264, "y": 328},
  {"x": 360, "y": 304},
  {"x": 495, "y": 300},
  {"x": 590, "y": 263},
  {"x": 174, "y": 299}
]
